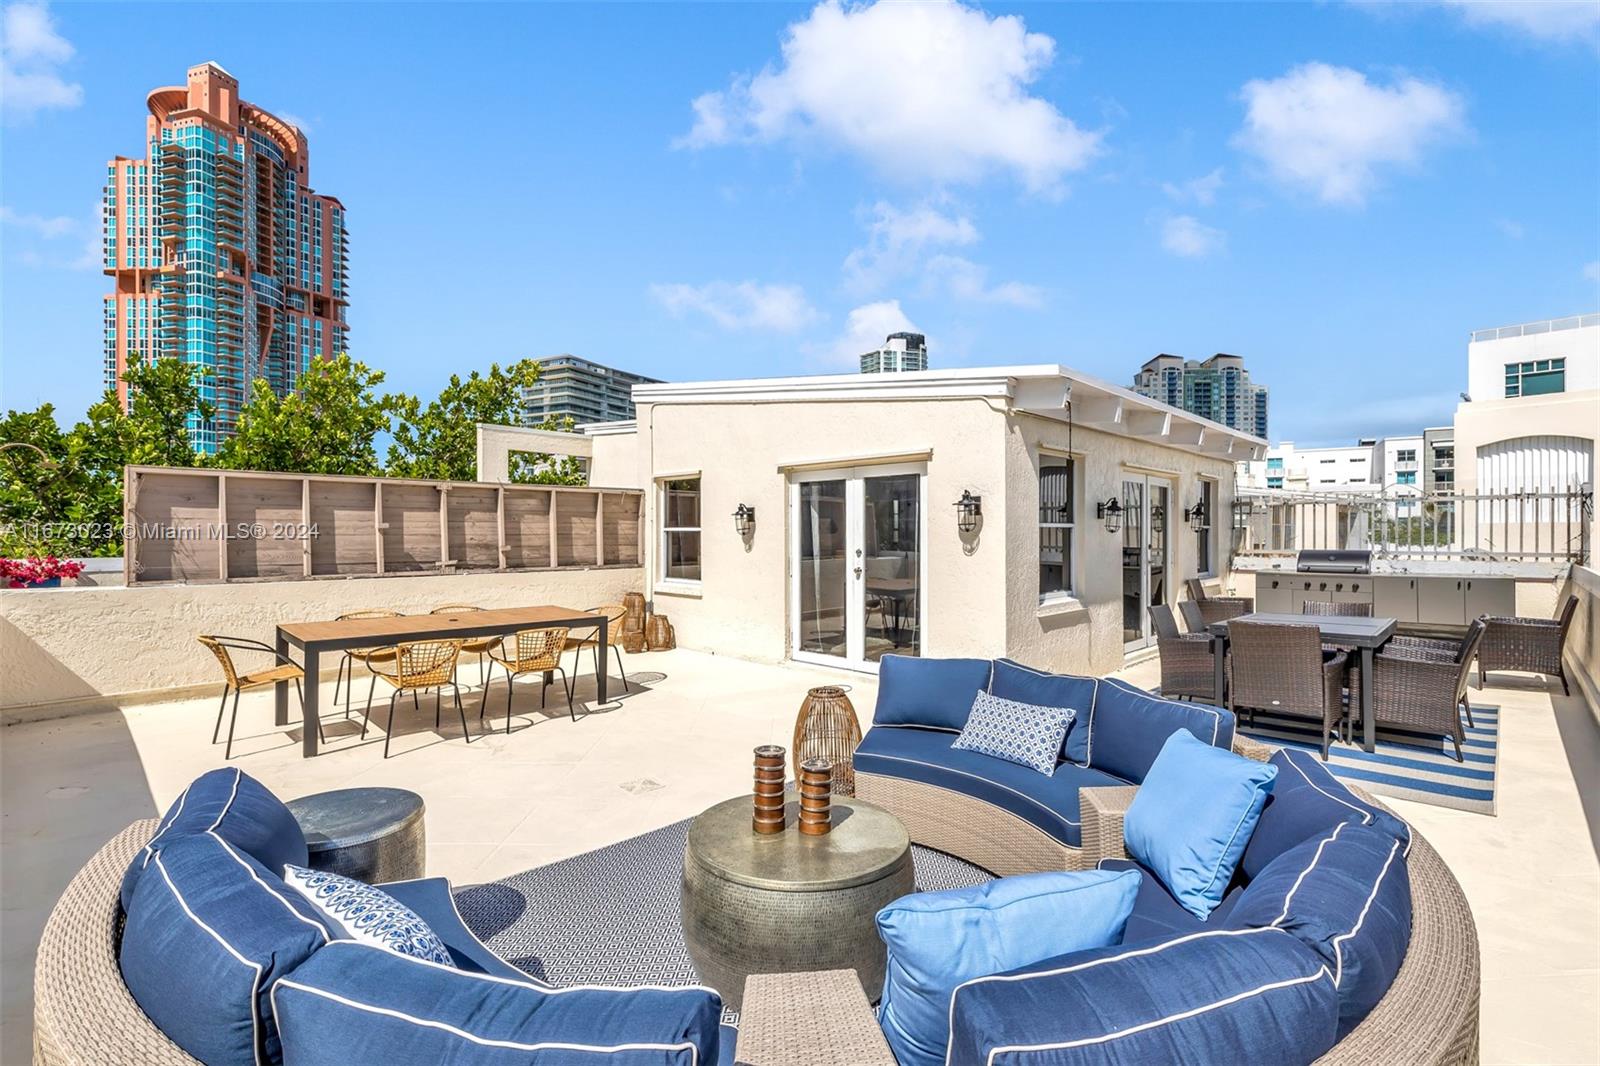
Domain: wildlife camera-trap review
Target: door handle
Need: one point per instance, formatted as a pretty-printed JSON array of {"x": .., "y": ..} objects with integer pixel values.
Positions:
[{"x": 858, "y": 571}]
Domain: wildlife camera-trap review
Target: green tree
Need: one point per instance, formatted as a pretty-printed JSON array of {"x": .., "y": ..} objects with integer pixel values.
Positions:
[
  {"x": 539, "y": 468},
  {"x": 328, "y": 426},
  {"x": 440, "y": 441}
]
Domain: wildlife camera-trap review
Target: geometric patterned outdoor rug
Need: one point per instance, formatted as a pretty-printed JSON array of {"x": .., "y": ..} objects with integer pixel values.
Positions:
[
  {"x": 612, "y": 916},
  {"x": 1406, "y": 764}
]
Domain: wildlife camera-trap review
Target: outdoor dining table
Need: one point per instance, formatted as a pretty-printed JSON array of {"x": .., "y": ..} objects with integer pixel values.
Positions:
[
  {"x": 1364, "y": 635},
  {"x": 315, "y": 638}
]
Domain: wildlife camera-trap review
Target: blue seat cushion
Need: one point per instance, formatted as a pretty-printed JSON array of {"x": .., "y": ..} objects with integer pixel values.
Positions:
[
  {"x": 1216, "y": 996},
  {"x": 925, "y": 755},
  {"x": 240, "y": 810},
  {"x": 1307, "y": 801},
  {"x": 936, "y": 693},
  {"x": 1013, "y": 681},
  {"x": 433, "y": 902},
  {"x": 1347, "y": 896},
  {"x": 209, "y": 933},
  {"x": 1157, "y": 916},
  {"x": 937, "y": 940},
  {"x": 1130, "y": 726},
  {"x": 352, "y": 1003}
]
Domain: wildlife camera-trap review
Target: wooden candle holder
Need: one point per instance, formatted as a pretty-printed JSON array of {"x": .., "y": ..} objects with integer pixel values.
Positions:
[
  {"x": 816, "y": 797},
  {"x": 768, "y": 817}
]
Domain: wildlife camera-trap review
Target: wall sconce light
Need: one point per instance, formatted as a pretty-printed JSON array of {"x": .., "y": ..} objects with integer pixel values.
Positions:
[
  {"x": 968, "y": 510},
  {"x": 1196, "y": 516},
  {"x": 1111, "y": 513},
  {"x": 744, "y": 520}
]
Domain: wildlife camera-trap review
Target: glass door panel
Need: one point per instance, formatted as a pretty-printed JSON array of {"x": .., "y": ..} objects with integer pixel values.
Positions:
[
  {"x": 823, "y": 585},
  {"x": 1156, "y": 548},
  {"x": 1146, "y": 554},
  {"x": 1133, "y": 561},
  {"x": 891, "y": 565}
]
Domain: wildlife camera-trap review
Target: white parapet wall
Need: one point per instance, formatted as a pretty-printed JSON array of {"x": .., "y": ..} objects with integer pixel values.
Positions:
[{"x": 85, "y": 648}]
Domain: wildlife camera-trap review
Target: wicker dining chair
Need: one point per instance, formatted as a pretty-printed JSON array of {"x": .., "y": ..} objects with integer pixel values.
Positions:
[
  {"x": 1282, "y": 668},
  {"x": 1531, "y": 644},
  {"x": 615, "y": 613},
  {"x": 1187, "y": 666},
  {"x": 1194, "y": 619},
  {"x": 1430, "y": 648},
  {"x": 530, "y": 651},
  {"x": 368, "y": 656},
  {"x": 234, "y": 682},
  {"x": 417, "y": 666},
  {"x": 1425, "y": 693},
  {"x": 479, "y": 646},
  {"x": 1330, "y": 608},
  {"x": 1217, "y": 608}
]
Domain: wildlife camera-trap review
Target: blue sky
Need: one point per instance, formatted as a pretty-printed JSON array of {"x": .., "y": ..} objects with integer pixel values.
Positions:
[{"x": 1338, "y": 192}]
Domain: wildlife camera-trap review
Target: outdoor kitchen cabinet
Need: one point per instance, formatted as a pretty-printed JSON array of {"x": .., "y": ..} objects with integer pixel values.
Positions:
[
  {"x": 1489, "y": 595},
  {"x": 1395, "y": 597},
  {"x": 1444, "y": 600}
]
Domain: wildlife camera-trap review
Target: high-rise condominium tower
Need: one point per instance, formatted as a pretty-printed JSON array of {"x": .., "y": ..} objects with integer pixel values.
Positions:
[
  {"x": 900, "y": 352},
  {"x": 1218, "y": 388},
  {"x": 218, "y": 250}
]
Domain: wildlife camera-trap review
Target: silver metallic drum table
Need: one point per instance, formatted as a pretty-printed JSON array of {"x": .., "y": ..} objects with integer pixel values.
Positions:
[
  {"x": 371, "y": 834},
  {"x": 790, "y": 903}
]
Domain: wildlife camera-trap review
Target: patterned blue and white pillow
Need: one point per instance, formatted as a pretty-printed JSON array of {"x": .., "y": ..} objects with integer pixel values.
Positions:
[
  {"x": 368, "y": 914},
  {"x": 1022, "y": 733}
]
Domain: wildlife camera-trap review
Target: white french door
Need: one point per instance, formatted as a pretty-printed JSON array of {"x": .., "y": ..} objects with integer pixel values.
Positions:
[
  {"x": 856, "y": 570},
  {"x": 1146, "y": 554}
]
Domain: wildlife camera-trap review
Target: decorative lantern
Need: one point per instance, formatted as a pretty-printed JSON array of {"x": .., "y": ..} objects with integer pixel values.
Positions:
[
  {"x": 1111, "y": 513},
  {"x": 1196, "y": 516},
  {"x": 968, "y": 510},
  {"x": 744, "y": 520}
]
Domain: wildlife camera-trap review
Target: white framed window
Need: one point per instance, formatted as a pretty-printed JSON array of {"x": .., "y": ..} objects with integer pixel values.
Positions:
[
  {"x": 680, "y": 529},
  {"x": 1058, "y": 512},
  {"x": 1204, "y": 542}
]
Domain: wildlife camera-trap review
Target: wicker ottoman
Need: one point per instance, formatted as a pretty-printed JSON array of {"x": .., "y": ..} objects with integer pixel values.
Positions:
[
  {"x": 371, "y": 834},
  {"x": 788, "y": 903}
]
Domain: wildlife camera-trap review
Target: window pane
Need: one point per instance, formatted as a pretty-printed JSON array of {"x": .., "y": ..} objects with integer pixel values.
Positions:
[
  {"x": 683, "y": 556},
  {"x": 683, "y": 504},
  {"x": 1055, "y": 560},
  {"x": 1055, "y": 489}
]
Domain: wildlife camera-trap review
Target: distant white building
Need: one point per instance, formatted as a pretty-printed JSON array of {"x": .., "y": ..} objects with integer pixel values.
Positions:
[
  {"x": 1341, "y": 469},
  {"x": 901, "y": 352}
]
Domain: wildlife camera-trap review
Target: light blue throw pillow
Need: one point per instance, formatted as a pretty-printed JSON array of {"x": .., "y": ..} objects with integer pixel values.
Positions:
[
  {"x": 1016, "y": 732},
  {"x": 368, "y": 914},
  {"x": 937, "y": 940},
  {"x": 1192, "y": 817}
]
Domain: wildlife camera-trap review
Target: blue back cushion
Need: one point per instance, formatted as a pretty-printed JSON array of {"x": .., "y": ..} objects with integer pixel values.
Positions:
[
  {"x": 1130, "y": 726},
  {"x": 209, "y": 933},
  {"x": 357, "y": 1004},
  {"x": 240, "y": 810},
  {"x": 928, "y": 692},
  {"x": 1013, "y": 681},
  {"x": 1347, "y": 896},
  {"x": 939, "y": 939},
  {"x": 1190, "y": 820},
  {"x": 1307, "y": 801},
  {"x": 1212, "y": 997}
]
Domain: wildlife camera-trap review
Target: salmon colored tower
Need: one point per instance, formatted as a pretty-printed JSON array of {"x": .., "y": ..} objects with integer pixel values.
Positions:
[{"x": 218, "y": 250}]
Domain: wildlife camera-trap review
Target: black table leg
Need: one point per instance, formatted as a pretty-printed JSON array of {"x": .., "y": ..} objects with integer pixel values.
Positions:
[
  {"x": 308, "y": 706},
  {"x": 600, "y": 661},
  {"x": 1368, "y": 727},
  {"x": 1219, "y": 677},
  {"x": 280, "y": 691}
]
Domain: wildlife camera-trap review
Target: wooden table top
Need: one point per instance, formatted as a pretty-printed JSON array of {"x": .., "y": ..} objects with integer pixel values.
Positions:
[
  {"x": 361, "y": 632},
  {"x": 1351, "y": 631}
]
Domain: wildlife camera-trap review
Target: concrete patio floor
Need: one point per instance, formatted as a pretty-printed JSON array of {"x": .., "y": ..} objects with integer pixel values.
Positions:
[{"x": 682, "y": 740}]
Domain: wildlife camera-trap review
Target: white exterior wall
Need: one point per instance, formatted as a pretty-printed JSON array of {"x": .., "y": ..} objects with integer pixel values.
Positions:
[{"x": 1487, "y": 359}]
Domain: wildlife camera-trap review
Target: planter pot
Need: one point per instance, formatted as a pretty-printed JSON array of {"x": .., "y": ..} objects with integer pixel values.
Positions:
[{"x": 47, "y": 583}]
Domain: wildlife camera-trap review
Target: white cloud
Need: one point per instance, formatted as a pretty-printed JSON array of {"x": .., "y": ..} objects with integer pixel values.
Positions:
[
  {"x": 965, "y": 280},
  {"x": 924, "y": 92},
  {"x": 897, "y": 240},
  {"x": 739, "y": 305},
  {"x": 1201, "y": 190},
  {"x": 1592, "y": 271},
  {"x": 1555, "y": 21},
  {"x": 1330, "y": 130},
  {"x": 30, "y": 53},
  {"x": 1514, "y": 230},
  {"x": 46, "y": 228},
  {"x": 865, "y": 328},
  {"x": 1187, "y": 236}
]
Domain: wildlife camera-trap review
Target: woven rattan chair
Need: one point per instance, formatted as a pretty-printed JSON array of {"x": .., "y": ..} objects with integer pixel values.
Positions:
[
  {"x": 1187, "y": 666},
  {"x": 479, "y": 646},
  {"x": 1430, "y": 648},
  {"x": 347, "y": 663},
  {"x": 1329, "y": 608},
  {"x": 1425, "y": 693},
  {"x": 1194, "y": 619},
  {"x": 1217, "y": 608},
  {"x": 1283, "y": 669},
  {"x": 417, "y": 666},
  {"x": 234, "y": 682},
  {"x": 615, "y": 613},
  {"x": 530, "y": 651},
  {"x": 1531, "y": 644}
]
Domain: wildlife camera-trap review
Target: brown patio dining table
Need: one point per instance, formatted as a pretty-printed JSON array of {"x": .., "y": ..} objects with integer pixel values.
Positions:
[
  {"x": 1365, "y": 635},
  {"x": 315, "y": 638}
]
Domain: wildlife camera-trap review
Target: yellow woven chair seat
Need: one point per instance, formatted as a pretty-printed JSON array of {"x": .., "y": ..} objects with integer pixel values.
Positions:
[{"x": 286, "y": 672}]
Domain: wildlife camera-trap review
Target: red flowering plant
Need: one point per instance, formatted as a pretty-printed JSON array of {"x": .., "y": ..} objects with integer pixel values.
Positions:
[{"x": 20, "y": 573}]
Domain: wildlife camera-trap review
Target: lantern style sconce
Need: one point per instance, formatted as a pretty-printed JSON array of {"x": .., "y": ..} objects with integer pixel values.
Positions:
[
  {"x": 1242, "y": 510},
  {"x": 1111, "y": 513},
  {"x": 1196, "y": 516},
  {"x": 968, "y": 510},
  {"x": 744, "y": 520}
]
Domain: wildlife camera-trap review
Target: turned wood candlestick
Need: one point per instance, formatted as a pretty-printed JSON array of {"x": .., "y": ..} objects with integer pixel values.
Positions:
[
  {"x": 816, "y": 797},
  {"x": 769, "y": 790}
]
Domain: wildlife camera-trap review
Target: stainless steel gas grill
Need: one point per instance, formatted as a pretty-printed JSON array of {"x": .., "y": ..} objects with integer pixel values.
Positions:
[
  {"x": 1334, "y": 561},
  {"x": 1335, "y": 575}
]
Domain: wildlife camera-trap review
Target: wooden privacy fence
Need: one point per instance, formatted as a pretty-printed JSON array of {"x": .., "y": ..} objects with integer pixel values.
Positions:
[{"x": 184, "y": 525}]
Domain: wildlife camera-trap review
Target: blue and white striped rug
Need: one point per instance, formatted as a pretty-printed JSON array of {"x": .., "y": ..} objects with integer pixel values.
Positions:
[{"x": 1406, "y": 764}]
